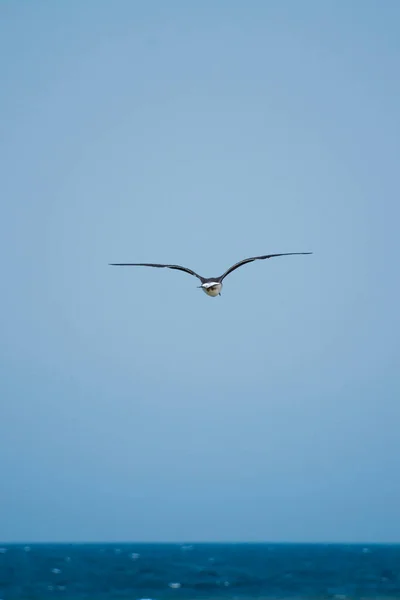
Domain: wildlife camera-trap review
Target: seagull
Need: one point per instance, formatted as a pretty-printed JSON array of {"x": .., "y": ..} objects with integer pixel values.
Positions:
[{"x": 212, "y": 286}]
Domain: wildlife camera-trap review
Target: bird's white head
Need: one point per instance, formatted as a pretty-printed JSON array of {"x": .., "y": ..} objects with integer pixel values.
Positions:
[{"x": 212, "y": 288}]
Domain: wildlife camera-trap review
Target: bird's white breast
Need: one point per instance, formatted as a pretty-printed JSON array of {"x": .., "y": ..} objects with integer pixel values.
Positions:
[{"x": 212, "y": 288}]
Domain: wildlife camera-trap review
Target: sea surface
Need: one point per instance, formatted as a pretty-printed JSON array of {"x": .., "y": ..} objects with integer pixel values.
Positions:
[{"x": 205, "y": 571}]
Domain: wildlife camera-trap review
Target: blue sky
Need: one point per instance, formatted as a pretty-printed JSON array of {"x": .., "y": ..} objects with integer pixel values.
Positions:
[{"x": 134, "y": 407}]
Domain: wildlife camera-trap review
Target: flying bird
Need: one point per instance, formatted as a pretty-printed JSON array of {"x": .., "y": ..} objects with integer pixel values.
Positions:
[{"x": 212, "y": 286}]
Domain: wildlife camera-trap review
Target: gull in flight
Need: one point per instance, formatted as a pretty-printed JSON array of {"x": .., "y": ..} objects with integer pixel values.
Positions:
[{"x": 212, "y": 286}]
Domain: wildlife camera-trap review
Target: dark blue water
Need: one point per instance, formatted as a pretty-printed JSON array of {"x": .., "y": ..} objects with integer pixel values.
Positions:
[{"x": 158, "y": 571}]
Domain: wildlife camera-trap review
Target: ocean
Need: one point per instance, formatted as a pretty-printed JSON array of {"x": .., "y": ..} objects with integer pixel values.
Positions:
[{"x": 204, "y": 571}]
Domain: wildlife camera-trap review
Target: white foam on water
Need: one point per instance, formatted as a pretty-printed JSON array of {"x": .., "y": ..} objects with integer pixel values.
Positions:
[
  {"x": 134, "y": 556},
  {"x": 174, "y": 586},
  {"x": 56, "y": 571}
]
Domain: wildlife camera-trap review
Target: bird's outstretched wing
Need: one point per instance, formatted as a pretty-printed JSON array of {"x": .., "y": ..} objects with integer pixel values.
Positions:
[
  {"x": 249, "y": 260},
  {"x": 176, "y": 267}
]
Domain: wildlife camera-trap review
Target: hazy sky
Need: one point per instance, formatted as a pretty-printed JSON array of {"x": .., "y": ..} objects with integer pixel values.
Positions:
[{"x": 134, "y": 407}]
